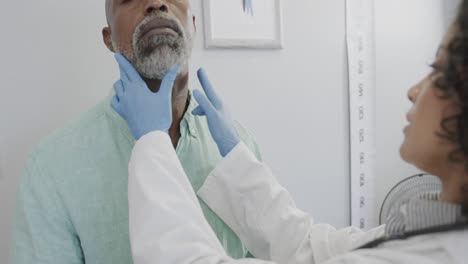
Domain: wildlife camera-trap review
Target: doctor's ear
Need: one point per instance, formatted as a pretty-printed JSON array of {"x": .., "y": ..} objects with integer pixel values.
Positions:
[{"x": 107, "y": 38}]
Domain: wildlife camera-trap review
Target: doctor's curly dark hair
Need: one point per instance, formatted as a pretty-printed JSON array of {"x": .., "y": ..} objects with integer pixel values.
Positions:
[{"x": 453, "y": 83}]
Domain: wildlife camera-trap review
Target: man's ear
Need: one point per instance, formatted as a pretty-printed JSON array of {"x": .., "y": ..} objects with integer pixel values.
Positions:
[
  {"x": 194, "y": 23},
  {"x": 107, "y": 37}
]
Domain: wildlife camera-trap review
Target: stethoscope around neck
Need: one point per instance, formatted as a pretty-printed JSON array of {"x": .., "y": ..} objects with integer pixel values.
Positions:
[
  {"x": 404, "y": 190},
  {"x": 460, "y": 225}
]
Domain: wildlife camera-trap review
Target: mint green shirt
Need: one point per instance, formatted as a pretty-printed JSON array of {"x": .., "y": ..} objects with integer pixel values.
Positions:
[{"x": 72, "y": 202}]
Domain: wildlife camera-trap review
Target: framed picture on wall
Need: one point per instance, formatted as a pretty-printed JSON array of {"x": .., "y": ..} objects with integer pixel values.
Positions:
[{"x": 253, "y": 24}]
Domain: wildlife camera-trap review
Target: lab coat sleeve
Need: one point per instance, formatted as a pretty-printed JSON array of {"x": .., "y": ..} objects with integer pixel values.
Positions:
[
  {"x": 245, "y": 194},
  {"x": 166, "y": 221}
]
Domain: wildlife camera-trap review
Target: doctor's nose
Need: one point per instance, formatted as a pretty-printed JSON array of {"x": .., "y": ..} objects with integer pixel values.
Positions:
[{"x": 413, "y": 92}]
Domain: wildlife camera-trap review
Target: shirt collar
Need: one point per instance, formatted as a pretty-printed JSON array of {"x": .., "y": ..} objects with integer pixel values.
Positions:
[{"x": 189, "y": 118}]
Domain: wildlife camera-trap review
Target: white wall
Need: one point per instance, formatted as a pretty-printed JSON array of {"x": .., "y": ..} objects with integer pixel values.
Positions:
[{"x": 54, "y": 66}]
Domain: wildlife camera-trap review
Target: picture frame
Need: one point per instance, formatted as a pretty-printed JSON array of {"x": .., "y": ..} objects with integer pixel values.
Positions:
[{"x": 228, "y": 26}]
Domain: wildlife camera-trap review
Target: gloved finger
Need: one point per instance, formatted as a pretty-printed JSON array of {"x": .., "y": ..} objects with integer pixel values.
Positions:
[
  {"x": 250, "y": 7},
  {"x": 115, "y": 103},
  {"x": 204, "y": 103},
  {"x": 198, "y": 111},
  {"x": 168, "y": 81},
  {"x": 126, "y": 68},
  {"x": 208, "y": 88},
  {"x": 119, "y": 89},
  {"x": 123, "y": 74}
]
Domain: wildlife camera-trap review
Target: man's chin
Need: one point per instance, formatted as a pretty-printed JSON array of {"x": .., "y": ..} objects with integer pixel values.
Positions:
[
  {"x": 154, "y": 71},
  {"x": 155, "y": 62},
  {"x": 153, "y": 75}
]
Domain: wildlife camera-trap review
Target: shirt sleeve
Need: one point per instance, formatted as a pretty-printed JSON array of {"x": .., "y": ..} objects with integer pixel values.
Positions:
[
  {"x": 42, "y": 231},
  {"x": 246, "y": 195},
  {"x": 166, "y": 222}
]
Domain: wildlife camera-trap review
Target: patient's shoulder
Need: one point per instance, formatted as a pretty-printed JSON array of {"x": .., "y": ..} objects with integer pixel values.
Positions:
[
  {"x": 74, "y": 129},
  {"x": 76, "y": 139}
]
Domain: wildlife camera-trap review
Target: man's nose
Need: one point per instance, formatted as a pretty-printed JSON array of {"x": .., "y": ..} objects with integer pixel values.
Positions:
[{"x": 156, "y": 5}]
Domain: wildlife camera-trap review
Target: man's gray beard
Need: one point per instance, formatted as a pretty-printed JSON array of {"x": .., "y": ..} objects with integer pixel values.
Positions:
[{"x": 154, "y": 57}]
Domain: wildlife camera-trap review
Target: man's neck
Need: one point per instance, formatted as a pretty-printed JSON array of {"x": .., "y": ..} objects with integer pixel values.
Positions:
[{"x": 179, "y": 103}]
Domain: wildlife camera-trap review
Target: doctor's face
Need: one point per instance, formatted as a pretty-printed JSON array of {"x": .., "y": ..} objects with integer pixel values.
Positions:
[
  {"x": 152, "y": 34},
  {"x": 423, "y": 145}
]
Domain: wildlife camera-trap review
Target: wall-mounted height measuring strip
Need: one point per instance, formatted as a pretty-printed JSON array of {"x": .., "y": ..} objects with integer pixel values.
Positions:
[{"x": 361, "y": 66}]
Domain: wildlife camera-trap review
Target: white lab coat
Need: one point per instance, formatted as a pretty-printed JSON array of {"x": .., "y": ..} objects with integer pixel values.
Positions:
[{"x": 167, "y": 224}]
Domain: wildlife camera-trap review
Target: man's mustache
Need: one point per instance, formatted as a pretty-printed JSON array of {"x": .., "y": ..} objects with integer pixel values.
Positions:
[{"x": 159, "y": 22}]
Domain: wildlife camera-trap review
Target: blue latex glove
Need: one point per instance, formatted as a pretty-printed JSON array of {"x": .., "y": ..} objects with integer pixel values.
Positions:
[
  {"x": 143, "y": 110},
  {"x": 220, "y": 122}
]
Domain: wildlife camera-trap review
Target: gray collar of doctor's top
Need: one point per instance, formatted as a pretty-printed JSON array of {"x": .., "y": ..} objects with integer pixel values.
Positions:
[{"x": 422, "y": 212}]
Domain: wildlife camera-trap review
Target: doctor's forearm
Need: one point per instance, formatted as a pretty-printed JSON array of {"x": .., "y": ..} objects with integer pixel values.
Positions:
[
  {"x": 245, "y": 194},
  {"x": 248, "y": 198},
  {"x": 166, "y": 221},
  {"x": 164, "y": 214}
]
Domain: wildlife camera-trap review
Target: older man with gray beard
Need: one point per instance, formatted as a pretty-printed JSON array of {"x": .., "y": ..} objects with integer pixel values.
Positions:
[{"x": 72, "y": 203}]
